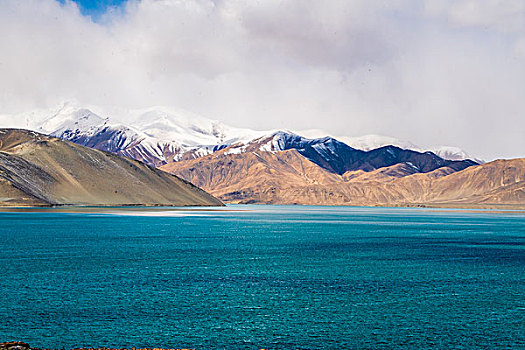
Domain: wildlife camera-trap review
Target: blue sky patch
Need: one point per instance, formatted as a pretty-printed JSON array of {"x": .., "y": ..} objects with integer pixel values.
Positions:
[{"x": 96, "y": 8}]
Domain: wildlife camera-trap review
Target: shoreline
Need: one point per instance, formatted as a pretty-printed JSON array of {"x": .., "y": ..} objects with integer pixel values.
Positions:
[{"x": 107, "y": 209}]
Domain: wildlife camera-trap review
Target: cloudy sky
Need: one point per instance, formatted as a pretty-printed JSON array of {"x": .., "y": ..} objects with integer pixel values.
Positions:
[{"x": 436, "y": 72}]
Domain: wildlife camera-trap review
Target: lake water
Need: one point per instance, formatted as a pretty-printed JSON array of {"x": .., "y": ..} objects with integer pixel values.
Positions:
[{"x": 274, "y": 277}]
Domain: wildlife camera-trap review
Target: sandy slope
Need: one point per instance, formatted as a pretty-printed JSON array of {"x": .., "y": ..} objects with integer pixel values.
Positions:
[{"x": 40, "y": 170}]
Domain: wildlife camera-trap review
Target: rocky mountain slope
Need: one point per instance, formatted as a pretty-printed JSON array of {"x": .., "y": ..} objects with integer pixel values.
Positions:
[
  {"x": 287, "y": 177},
  {"x": 36, "y": 169}
]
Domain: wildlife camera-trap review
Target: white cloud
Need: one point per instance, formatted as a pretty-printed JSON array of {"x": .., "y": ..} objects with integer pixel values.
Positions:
[
  {"x": 519, "y": 48},
  {"x": 434, "y": 72},
  {"x": 505, "y": 15}
]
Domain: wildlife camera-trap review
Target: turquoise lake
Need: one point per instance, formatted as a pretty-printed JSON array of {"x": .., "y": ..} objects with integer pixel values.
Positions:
[{"x": 273, "y": 277}]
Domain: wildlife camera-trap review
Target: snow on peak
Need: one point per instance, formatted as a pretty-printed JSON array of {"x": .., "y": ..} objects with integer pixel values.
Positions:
[
  {"x": 192, "y": 130},
  {"x": 453, "y": 153},
  {"x": 365, "y": 142},
  {"x": 72, "y": 119},
  {"x": 325, "y": 147},
  {"x": 370, "y": 142}
]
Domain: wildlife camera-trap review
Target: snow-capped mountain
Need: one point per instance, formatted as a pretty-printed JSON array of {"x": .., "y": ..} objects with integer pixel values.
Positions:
[
  {"x": 160, "y": 135},
  {"x": 82, "y": 126},
  {"x": 366, "y": 142},
  {"x": 370, "y": 142},
  {"x": 454, "y": 153},
  {"x": 189, "y": 129},
  {"x": 338, "y": 157}
]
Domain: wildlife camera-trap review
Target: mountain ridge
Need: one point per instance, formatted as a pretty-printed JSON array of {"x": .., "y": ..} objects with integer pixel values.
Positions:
[
  {"x": 339, "y": 158},
  {"x": 159, "y": 135}
]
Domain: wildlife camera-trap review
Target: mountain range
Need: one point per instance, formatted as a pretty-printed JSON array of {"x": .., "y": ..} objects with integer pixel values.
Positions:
[
  {"x": 282, "y": 167},
  {"x": 160, "y": 135},
  {"x": 287, "y": 177}
]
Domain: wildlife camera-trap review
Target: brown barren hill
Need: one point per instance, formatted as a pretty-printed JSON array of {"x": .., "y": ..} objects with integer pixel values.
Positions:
[
  {"x": 497, "y": 182},
  {"x": 287, "y": 177},
  {"x": 36, "y": 169},
  {"x": 252, "y": 177}
]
